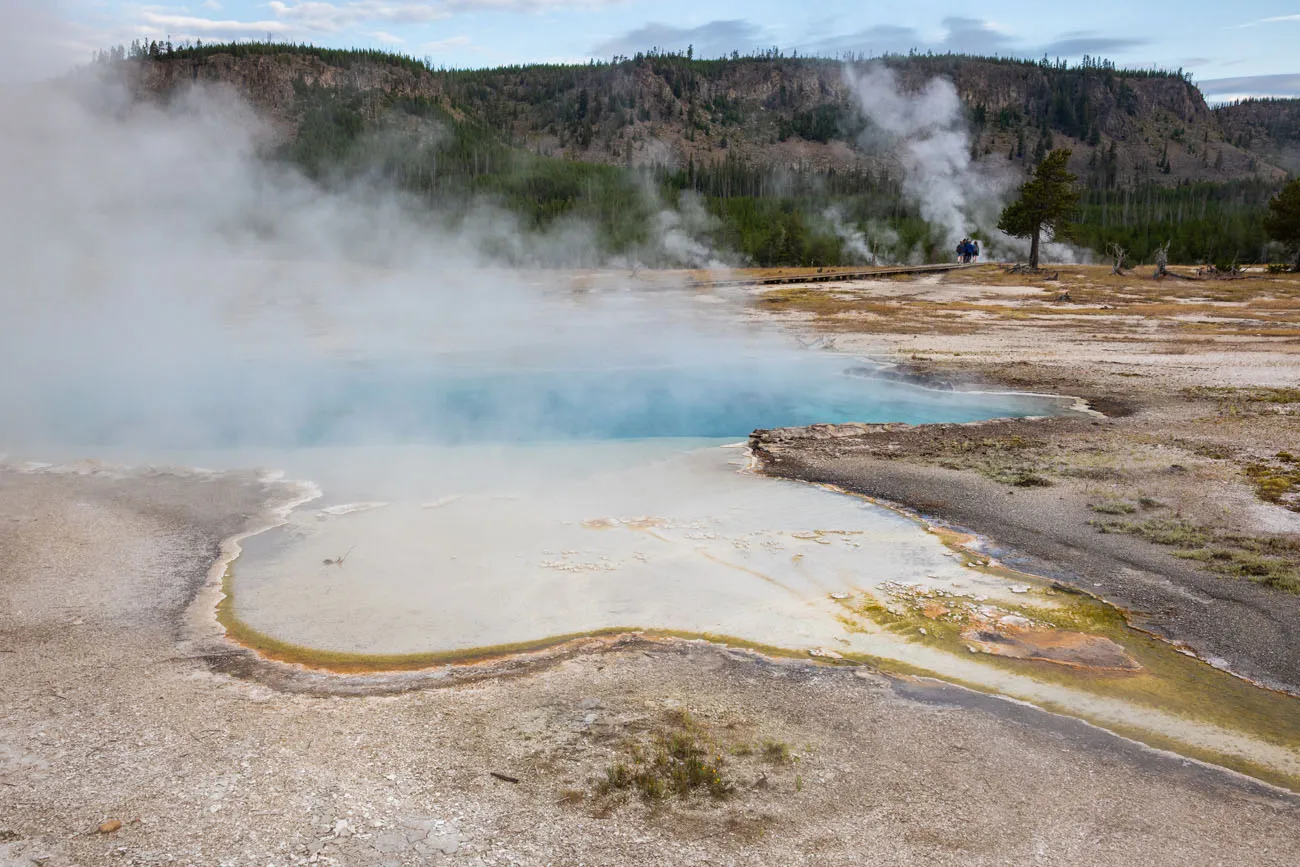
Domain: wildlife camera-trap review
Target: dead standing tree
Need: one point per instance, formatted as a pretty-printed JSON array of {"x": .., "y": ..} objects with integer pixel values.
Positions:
[
  {"x": 1162, "y": 261},
  {"x": 1119, "y": 254}
]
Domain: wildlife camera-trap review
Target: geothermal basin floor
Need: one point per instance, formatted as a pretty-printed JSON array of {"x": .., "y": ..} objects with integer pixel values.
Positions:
[
  {"x": 105, "y": 719},
  {"x": 678, "y": 538}
]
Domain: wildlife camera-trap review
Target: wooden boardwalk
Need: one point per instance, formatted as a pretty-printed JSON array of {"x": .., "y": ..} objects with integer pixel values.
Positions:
[{"x": 833, "y": 276}]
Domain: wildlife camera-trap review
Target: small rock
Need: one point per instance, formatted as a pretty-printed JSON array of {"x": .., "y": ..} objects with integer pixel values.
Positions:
[
  {"x": 824, "y": 653},
  {"x": 839, "y": 596},
  {"x": 447, "y": 843},
  {"x": 390, "y": 843},
  {"x": 110, "y": 826},
  {"x": 1019, "y": 588}
]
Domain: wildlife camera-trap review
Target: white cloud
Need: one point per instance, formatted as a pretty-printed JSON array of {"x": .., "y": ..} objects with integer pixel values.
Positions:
[
  {"x": 328, "y": 17},
  {"x": 1276, "y": 19},
  {"x": 333, "y": 17},
  {"x": 305, "y": 17},
  {"x": 443, "y": 44},
  {"x": 968, "y": 36},
  {"x": 1244, "y": 86},
  {"x": 194, "y": 24}
]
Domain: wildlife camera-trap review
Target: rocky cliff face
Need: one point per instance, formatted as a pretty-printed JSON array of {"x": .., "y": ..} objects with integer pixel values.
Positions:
[
  {"x": 771, "y": 111},
  {"x": 269, "y": 81}
]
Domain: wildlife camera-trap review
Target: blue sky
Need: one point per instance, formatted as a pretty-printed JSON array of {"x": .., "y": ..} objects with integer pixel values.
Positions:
[{"x": 1233, "y": 48}]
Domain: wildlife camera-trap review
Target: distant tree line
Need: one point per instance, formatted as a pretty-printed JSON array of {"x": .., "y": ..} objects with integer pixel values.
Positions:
[
  {"x": 767, "y": 217},
  {"x": 1218, "y": 223},
  {"x": 344, "y": 58},
  {"x": 770, "y": 217}
]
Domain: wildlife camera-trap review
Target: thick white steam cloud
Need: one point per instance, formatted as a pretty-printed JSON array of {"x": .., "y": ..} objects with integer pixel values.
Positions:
[
  {"x": 166, "y": 284},
  {"x": 926, "y": 130}
]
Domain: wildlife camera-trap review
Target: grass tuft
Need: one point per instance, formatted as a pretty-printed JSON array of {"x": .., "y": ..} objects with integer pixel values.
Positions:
[
  {"x": 1161, "y": 531},
  {"x": 1113, "y": 507},
  {"x": 1277, "y": 481},
  {"x": 1270, "y": 560},
  {"x": 777, "y": 752},
  {"x": 679, "y": 763}
]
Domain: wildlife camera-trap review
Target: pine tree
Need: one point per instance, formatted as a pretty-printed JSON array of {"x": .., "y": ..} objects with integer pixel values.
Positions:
[
  {"x": 1048, "y": 201},
  {"x": 1283, "y": 220}
]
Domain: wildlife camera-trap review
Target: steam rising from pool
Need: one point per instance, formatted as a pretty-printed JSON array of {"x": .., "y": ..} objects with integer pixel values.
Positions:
[
  {"x": 504, "y": 455},
  {"x": 171, "y": 295}
]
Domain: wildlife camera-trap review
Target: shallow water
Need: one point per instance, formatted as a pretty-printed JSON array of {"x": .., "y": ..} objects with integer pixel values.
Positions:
[
  {"x": 565, "y": 523},
  {"x": 463, "y": 549},
  {"x": 461, "y": 399},
  {"x": 554, "y": 539},
  {"x": 475, "y": 507}
]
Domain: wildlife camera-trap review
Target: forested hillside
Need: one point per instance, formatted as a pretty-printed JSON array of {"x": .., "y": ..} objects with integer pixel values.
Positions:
[
  {"x": 775, "y": 150},
  {"x": 1269, "y": 127}
]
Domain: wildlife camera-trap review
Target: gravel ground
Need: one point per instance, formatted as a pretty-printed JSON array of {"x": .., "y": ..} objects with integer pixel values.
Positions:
[
  {"x": 1181, "y": 430},
  {"x": 111, "y": 716}
]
